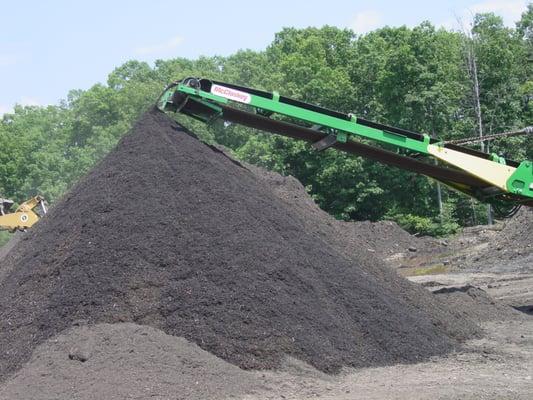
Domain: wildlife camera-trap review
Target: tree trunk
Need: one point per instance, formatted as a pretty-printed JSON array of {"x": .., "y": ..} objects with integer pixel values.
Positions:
[{"x": 472, "y": 69}]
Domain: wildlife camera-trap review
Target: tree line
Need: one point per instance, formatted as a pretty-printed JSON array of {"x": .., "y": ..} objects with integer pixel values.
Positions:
[{"x": 415, "y": 78}]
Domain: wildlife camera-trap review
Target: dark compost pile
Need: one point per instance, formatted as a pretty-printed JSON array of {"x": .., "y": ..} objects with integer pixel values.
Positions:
[{"x": 169, "y": 232}]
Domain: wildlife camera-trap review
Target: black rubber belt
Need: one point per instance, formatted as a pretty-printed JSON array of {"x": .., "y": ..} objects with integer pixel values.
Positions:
[{"x": 287, "y": 129}]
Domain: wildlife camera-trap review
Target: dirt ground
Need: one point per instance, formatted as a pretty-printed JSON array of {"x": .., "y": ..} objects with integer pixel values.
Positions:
[
  {"x": 478, "y": 259},
  {"x": 129, "y": 361},
  {"x": 498, "y": 366}
]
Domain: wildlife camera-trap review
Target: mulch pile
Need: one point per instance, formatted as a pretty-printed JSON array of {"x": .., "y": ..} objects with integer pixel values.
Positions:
[
  {"x": 476, "y": 304},
  {"x": 517, "y": 233},
  {"x": 171, "y": 233},
  {"x": 510, "y": 245},
  {"x": 384, "y": 238}
]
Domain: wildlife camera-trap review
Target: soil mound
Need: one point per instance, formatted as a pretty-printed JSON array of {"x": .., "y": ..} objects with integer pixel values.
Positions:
[
  {"x": 124, "y": 361},
  {"x": 476, "y": 304},
  {"x": 169, "y": 232},
  {"x": 385, "y": 238},
  {"x": 509, "y": 249},
  {"x": 517, "y": 234}
]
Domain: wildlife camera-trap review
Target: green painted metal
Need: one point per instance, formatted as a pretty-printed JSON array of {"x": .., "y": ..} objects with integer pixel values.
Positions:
[
  {"x": 520, "y": 183},
  {"x": 200, "y": 93},
  {"x": 337, "y": 124},
  {"x": 164, "y": 99},
  {"x": 344, "y": 127},
  {"x": 497, "y": 159},
  {"x": 342, "y": 137}
]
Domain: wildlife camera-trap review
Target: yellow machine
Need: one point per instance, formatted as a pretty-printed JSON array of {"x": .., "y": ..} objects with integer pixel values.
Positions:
[{"x": 26, "y": 214}]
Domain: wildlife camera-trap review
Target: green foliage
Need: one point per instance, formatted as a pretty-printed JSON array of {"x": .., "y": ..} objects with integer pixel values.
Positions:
[
  {"x": 426, "y": 226},
  {"x": 413, "y": 78}
]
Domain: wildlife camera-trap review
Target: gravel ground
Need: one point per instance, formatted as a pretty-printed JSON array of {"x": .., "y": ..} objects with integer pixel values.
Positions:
[{"x": 128, "y": 361}]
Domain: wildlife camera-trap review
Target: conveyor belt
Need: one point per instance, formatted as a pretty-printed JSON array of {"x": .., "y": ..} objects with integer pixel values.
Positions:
[
  {"x": 460, "y": 180},
  {"x": 287, "y": 129},
  {"x": 206, "y": 85},
  {"x": 500, "y": 181}
]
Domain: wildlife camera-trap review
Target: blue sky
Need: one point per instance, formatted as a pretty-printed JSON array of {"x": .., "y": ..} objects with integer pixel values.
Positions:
[{"x": 50, "y": 47}]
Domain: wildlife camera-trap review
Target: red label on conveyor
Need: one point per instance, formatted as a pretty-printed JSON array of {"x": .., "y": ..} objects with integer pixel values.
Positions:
[{"x": 231, "y": 94}]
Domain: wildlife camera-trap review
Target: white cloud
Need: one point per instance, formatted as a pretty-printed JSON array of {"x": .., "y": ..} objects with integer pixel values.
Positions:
[
  {"x": 509, "y": 10},
  {"x": 29, "y": 101},
  {"x": 22, "y": 101},
  {"x": 7, "y": 60},
  {"x": 449, "y": 24},
  {"x": 5, "y": 109},
  {"x": 365, "y": 21},
  {"x": 159, "y": 48}
]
